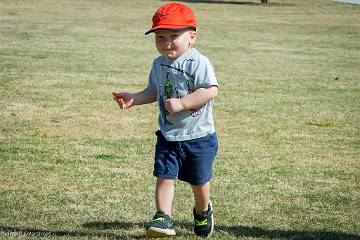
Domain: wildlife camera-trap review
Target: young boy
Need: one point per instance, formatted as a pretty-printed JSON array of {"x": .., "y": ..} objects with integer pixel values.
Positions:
[{"x": 183, "y": 83}]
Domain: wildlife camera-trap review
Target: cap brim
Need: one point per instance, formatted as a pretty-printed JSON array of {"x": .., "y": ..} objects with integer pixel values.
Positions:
[
  {"x": 150, "y": 31},
  {"x": 169, "y": 28}
]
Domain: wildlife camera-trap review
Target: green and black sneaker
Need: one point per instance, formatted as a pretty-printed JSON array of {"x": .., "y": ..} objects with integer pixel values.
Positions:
[
  {"x": 204, "y": 222},
  {"x": 161, "y": 226}
]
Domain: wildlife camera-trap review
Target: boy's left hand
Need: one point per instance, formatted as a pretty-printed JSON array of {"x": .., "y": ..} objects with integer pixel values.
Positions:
[{"x": 174, "y": 105}]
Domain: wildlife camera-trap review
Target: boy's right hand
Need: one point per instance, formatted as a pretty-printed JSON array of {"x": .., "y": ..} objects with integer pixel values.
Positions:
[{"x": 123, "y": 99}]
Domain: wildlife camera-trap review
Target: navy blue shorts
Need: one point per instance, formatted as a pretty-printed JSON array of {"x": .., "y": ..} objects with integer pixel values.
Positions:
[{"x": 190, "y": 161}]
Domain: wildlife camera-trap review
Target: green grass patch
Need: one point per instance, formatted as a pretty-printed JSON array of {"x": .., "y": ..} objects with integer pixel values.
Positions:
[{"x": 73, "y": 166}]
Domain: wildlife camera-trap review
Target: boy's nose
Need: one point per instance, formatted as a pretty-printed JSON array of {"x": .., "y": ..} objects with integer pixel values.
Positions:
[{"x": 168, "y": 43}]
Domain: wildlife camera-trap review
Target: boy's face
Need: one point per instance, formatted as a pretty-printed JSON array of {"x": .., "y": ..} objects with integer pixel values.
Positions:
[{"x": 173, "y": 43}]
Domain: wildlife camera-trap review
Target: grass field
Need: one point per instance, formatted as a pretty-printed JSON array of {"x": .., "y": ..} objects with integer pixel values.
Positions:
[{"x": 73, "y": 166}]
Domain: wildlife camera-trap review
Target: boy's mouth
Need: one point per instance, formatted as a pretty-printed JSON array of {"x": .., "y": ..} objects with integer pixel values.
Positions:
[{"x": 170, "y": 52}]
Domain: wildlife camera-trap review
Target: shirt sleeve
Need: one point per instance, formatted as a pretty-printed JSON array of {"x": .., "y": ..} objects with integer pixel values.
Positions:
[
  {"x": 204, "y": 74},
  {"x": 151, "y": 82}
]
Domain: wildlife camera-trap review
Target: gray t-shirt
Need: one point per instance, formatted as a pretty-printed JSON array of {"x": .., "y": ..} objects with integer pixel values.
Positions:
[{"x": 176, "y": 78}]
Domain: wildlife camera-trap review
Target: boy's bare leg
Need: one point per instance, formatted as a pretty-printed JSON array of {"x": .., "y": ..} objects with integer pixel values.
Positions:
[
  {"x": 202, "y": 196},
  {"x": 164, "y": 195}
]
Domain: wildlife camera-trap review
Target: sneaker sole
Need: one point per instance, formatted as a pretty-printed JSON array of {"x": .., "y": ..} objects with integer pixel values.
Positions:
[{"x": 153, "y": 232}]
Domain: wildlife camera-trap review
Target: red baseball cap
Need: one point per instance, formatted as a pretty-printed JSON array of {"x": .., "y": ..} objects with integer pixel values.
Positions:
[{"x": 173, "y": 16}]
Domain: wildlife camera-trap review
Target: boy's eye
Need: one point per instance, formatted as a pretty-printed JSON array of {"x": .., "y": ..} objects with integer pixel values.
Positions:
[{"x": 174, "y": 36}]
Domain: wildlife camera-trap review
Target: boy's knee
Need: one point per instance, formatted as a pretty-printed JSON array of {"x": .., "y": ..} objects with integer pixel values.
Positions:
[
  {"x": 161, "y": 180},
  {"x": 201, "y": 186}
]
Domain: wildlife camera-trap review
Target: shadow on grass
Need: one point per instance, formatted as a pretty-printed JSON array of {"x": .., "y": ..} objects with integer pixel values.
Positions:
[
  {"x": 254, "y": 3},
  {"x": 113, "y": 225},
  {"x": 256, "y": 232},
  {"x": 241, "y": 231},
  {"x": 96, "y": 229},
  {"x": 11, "y": 231}
]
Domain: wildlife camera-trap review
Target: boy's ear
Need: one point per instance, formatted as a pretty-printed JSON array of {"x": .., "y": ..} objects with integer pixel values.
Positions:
[{"x": 192, "y": 37}]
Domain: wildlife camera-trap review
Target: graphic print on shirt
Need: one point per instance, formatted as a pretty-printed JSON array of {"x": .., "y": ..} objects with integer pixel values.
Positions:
[
  {"x": 196, "y": 111},
  {"x": 166, "y": 94},
  {"x": 168, "y": 91},
  {"x": 168, "y": 88}
]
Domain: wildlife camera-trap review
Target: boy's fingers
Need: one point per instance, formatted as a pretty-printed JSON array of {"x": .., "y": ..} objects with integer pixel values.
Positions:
[
  {"x": 114, "y": 94},
  {"x": 118, "y": 97},
  {"x": 120, "y": 102}
]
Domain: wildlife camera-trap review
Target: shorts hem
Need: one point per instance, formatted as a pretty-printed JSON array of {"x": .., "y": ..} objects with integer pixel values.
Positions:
[
  {"x": 172, "y": 177},
  {"x": 195, "y": 183}
]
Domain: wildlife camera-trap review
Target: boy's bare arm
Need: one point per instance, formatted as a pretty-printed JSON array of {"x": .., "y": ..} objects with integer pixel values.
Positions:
[
  {"x": 196, "y": 99},
  {"x": 144, "y": 97},
  {"x": 127, "y": 100}
]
